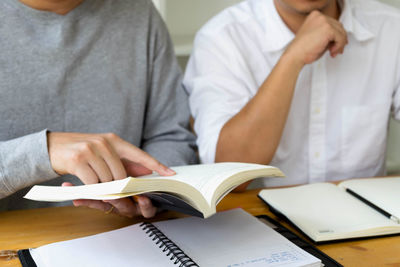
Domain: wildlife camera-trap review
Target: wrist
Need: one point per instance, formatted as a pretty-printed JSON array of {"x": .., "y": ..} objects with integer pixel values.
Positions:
[
  {"x": 292, "y": 59},
  {"x": 52, "y": 152}
]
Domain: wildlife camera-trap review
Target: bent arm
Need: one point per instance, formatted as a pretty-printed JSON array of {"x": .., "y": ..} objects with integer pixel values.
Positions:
[
  {"x": 24, "y": 161},
  {"x": 257, "y": 129},
  {"x": 236, "y": 118}
]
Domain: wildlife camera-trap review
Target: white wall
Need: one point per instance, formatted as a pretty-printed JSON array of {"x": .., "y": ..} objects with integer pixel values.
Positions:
[
  {"x": 392, "y": 2},
  {"x": 185, "y": 17},
  {"x": 189, "y": 15}
]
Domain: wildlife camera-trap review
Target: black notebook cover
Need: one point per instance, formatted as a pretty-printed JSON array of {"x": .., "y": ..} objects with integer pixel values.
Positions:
[{"x": 25, "y": 258}]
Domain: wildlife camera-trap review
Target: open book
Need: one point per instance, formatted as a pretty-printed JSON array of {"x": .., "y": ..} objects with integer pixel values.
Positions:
[
  {"x": 353, "y": 209},
  {"x": 231, "y": 238},
  {"x": 195, "y": 189}
]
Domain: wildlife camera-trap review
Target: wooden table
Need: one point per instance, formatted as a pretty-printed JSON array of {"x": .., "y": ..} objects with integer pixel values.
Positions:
[{"x": 33, "y": 228}]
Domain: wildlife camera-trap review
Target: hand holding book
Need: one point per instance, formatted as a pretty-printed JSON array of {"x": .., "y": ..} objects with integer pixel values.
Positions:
[
  {"x": 97, "y": 158},
  {"x": 128, "y": 206}
]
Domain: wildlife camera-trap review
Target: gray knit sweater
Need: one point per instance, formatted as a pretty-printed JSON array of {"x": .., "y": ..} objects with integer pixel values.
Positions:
[{"x": 106, "y": 66}]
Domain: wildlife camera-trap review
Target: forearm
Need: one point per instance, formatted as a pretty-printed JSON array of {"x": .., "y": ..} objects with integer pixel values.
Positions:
[
  {"x": 24, "y": 161},
  {"x": 254, "y": 133}
]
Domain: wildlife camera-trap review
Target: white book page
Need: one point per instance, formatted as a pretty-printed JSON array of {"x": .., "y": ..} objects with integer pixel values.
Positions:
[
  {"x": 197, "y": 176},
  {"x": 126, "y": 247},
  {"x": 234, "y": 238},
  {"x": 383, "y": 192},
  {"x": 206, "y": 177},
  {"x": 324, "y": 210},
  {"x": 59, "y": 193}
]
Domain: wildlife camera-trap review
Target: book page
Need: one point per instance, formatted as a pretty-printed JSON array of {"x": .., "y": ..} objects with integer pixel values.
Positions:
[
  {"x": 206, "y": 177},
  {"x": 125, "y": 247},
  {"x": 92, "y": 191},
  {"x": 324, "y": 211},
  {"x": 383, "y": 192},
  {"x": 234, "y": 238}
]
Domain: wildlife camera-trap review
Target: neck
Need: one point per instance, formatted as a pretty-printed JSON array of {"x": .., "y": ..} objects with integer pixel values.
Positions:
[
  {"x": 60, "y": 7},
  {"x": 294, "y": 18}
]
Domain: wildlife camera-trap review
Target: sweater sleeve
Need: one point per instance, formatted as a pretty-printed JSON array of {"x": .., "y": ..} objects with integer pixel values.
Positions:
[
  {"x": 166, "y": 129},
  {"x": 24, "y": 161}
]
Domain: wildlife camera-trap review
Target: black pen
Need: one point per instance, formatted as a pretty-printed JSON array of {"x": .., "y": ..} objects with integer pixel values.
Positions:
[{"x": 372, "y": 205}]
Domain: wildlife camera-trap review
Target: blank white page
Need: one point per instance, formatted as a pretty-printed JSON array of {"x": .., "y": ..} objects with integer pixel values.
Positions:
[
  {"x": 125, "y": 247},
  {"x": 383, "y": 192},
  {"x": 234, "y": 238}
]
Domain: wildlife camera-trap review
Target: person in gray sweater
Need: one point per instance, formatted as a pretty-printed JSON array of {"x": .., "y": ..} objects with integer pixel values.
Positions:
[{"x": 88, "y": 89}]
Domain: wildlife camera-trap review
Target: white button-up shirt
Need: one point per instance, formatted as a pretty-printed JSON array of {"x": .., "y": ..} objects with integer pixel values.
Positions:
[{"x": 338, "y": 121}]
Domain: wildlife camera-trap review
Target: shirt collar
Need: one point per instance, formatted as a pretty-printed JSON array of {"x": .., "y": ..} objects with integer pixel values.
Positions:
[
  {"x": 351, "y": 24},
  {"x": 279, "y": 35}
]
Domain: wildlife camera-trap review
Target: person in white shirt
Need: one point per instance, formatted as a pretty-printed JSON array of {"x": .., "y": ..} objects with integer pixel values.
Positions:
[{"x": 307, "y": 86}]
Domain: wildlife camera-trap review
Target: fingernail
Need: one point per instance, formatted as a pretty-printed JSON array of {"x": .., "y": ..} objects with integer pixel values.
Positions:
[{"x": 170, "y": 171}]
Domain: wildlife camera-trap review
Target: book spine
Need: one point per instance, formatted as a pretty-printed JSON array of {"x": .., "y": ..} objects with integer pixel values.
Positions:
[{"x": 168, "y": 246}]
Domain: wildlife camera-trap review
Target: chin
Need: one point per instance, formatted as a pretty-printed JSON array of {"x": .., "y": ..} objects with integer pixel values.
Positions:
[{"x": 305, "y": 6}]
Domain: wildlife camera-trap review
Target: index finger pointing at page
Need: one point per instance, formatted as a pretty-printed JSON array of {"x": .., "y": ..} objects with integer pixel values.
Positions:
[
  {"x": 152, "y": 164},
  {"x": 134, "y": 154}
]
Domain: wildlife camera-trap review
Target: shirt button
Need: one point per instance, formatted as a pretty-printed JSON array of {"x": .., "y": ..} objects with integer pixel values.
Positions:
[
  {"x": 317, "y": 154},
  {"x": 317, "y": 110}
]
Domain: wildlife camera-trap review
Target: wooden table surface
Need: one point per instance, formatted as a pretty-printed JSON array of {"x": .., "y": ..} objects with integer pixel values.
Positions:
[{"x": 33, "y": 228}]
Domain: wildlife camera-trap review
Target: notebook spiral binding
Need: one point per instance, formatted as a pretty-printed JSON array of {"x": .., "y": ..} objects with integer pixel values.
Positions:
[{"x": 170, "y": 248}]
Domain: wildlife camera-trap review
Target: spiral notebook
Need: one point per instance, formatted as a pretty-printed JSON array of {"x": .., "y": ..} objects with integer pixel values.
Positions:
[{"x": 231, "y": 238}]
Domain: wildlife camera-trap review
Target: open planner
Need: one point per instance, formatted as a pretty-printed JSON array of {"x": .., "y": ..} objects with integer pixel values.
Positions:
[
  {"x": 353, "y": 209},
  {"x": 231, "y": 238}
]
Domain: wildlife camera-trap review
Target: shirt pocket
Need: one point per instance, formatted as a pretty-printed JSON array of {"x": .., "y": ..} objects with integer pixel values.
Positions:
[{"x": 363, "y": 137}]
